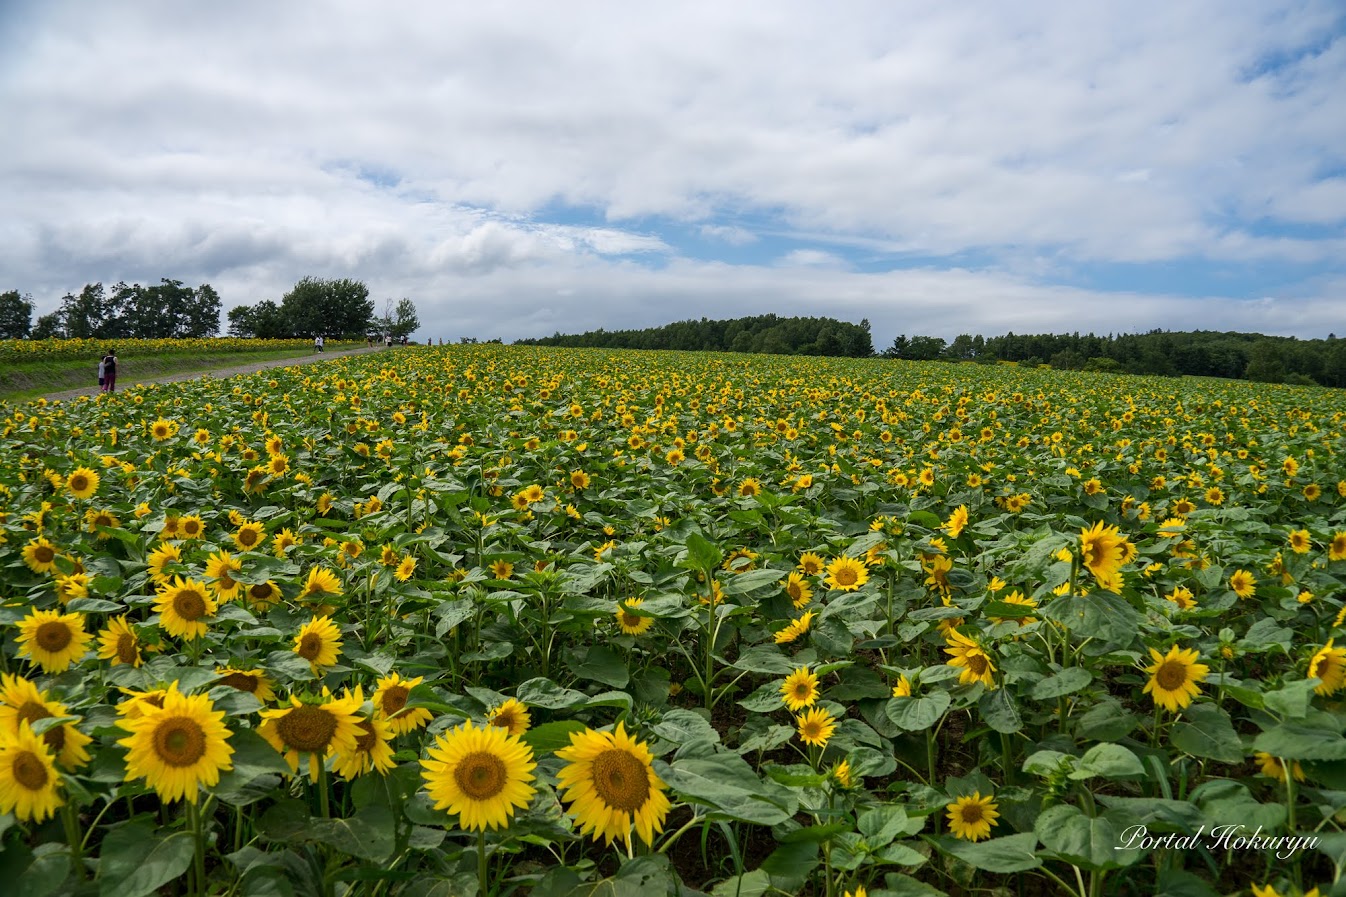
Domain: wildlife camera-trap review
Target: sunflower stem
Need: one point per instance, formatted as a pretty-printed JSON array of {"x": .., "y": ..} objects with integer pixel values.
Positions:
[
  {"x": 72, "y": 837},
  {"x": 482, "y": 877},
  {"x": 198, "y": 846},
  {"x": 324, "y": 799}
]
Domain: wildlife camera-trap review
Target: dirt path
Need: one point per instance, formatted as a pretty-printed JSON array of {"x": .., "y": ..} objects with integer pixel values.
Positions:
[{"x": 212, "y": 372}]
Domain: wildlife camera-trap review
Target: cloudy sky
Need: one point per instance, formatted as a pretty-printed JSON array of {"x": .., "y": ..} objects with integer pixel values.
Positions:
[{"x": 521, "y": 168}]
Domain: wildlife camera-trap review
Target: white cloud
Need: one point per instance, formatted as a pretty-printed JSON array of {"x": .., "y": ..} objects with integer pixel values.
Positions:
[{"x": 428, "y": 147}]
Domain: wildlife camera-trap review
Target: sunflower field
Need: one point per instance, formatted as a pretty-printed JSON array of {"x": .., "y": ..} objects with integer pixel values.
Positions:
[{"x": 497, "y": 620}]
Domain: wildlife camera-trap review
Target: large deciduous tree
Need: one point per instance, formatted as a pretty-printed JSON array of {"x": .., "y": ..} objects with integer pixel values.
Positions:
[
  {"x": 403, "y": 321},
  {"x": 16, "y": 315},
  {"x": 327, "y": 307}
]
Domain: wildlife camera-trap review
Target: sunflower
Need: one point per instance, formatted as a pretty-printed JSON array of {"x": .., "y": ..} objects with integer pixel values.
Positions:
[
  {"x": 183, "y": 606},
  {"x": 971, "y": 817},
  {"x": 799, "y": 589},
  {"x": 800, "y": 689},
  {"x": 178, "y": 748},
  {"x": 192, "y": 526},
  {"x": 1101, "y": 550},
  {"x": 317, "y": 728},
  {"x": 1274, "y": 769},
  {"x": 405, "y": 568},
  {"x": 846, "y": 574},
  {"x": 795, "y": 629},
  {"x": 956, "y": 523},
  {"x": 749, "y": 488},
  {"x": 162, "y": 429},
  {"x": 373, "y": 750},
  {"x": 632, "y": 623},
  {"x": 510, "y": 715},
  {"x": 502, "y": 569},
  {"x": 1243, "y": 583},
  {"x": 284, "y": 540},
  {"x": 975, "y": 662},
  {"x": 903, "y": 687},
  {"x": 1329, "y": 665},
  {"x": 1017, "y": 598},
  {"x": 262, "y": 595},
  {"x": 816, "y": 726},
  {"x": 119, "y": 643},
  {"x": 533, "y": 494},
  {"x": 53, "y": 640},
  {"x": 254, "y": 481},
  {"x": 810, "y": 564},
  {"x": 1183, "y": 597},
  {"x": 391, "y": 694},
  {"x": 221, "y": 566},
  {"x": 21, "y": 702},
  {"x": 277, "y": 465},
  {"x": 1336, "y": 549},
  {"x": 609, "y": 782},
  {"x": 320, "y": 585},
  {"x": 82, "y": 483},
  {"x": 318, "y": 642},
  {"x": 40, "y": 555},
  {"x": 254, "y": 682},
  {"x": 139, "y": 703},
  {"x": 249, "y": 536},
  {"x": 479, "y": 775},
  {"x": 28, "y": 777},
  {"x": 579, "y": 479},
  {"x": 72, "y": 586},
  {"x": 1300, "y": 541},
  {"x": 104, "y": 518},
  {"x": 1174, "y": 677}
]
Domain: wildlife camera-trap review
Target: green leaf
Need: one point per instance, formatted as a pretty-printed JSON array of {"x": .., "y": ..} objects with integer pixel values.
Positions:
[
  {"x": 764, "y": 659},
  {"x": 1091, "y": 843},
  {"x": 999, "y": 712},
  {"x": 548, "y": 695},
  {"x": 685, "y": 726},
  {"x": 1012, "y": 853},
  {"x": 1206, "y": 731},
  {"x": 1105, "y": 617},
  {"x": 1110, "y": 761},
  {"x": 750, "y": 884},
  {"x": 886, "y": 823},
  {"x": 726, "y": 783},
  {"x": 917, "y": 714},
  {"x": 602, "y": 664},
  {"x": 1067, "y": 681},
  {"x": 1301, "y": 741},
  {"x": 44, "y": 875},
  {"x": 148, "y": 865},
  {"x": 549, "y": 738},
  {"x": 1292, "y": 700},
  {"x": 701, "y": 554},
  {"x": 368, "y": 834},
  {"x": 752, "y": 581},
  {"x": 791, "y": 864}
]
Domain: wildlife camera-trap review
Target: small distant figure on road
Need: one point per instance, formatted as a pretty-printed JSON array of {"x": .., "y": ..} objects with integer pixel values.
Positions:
[
  {"x": 387, "y": 341},
  {"x": 110, "y": 371},
  {"x": 404, "y": 342},
  {"x": 100, "y": 373},
  {"x": 317, "y": 343},
  {"x": 369, "y": 341}
]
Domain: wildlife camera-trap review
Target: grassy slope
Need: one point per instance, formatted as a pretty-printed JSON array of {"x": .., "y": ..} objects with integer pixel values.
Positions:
[{"x": 33, "y": 379}]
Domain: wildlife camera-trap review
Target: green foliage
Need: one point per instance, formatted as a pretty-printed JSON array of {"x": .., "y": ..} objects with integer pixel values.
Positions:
[
  {"x": 16, "y": 315},
  {"x": 763, "y": 334}
]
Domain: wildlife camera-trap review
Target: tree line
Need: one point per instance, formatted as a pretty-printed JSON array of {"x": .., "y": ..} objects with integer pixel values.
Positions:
[
  {"x": 167, "y": 310},
  {"x": 172, "y": 310},
  {"x": 762, "y": 334},
  {"x": 1200, "y": 353}
]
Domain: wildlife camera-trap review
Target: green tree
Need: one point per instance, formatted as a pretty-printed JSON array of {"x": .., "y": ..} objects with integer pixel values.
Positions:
[
  {"x": 402, "y": 321},
  {"x": 327, "y": 307},
  {"x": 16, "y": 315}
]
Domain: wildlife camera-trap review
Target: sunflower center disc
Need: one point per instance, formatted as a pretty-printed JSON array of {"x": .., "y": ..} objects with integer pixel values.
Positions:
[
  {"x": 977, "y": 664},
  {"x": 621, "y": 780},
  {"x": 631, "y": 620},
  {"x": 307, "y": 728},
  {"x": 78, "y": 483},
  {"x": 247, "y": 538},
  {"x": 310, "y": 646},
  {"x": 364, "y": 742},
  {"x": 845, "y": 577},
  {"x": 29, "y": 771},
  {"x": 126, "y": 648},
  {"x": 1171, "y": 675},
  {"x": 480, "y": 775},
  {"x": 179, "y": 741},
  {"x": 189, "y": 604},
  {"x": 53, "y": 636},
  {"x": 260, "y": 592},
  {"x": 394, "y": 699},
  {"x": 44, "y": 555},
  {"x": 240, "y": 681},
  {"x": 972, "y": 814},
  {"x": 32, "y": 711}
]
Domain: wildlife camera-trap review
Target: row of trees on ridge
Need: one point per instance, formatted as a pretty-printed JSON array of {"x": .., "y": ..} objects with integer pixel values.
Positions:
[{"x": 767, "y": 334}]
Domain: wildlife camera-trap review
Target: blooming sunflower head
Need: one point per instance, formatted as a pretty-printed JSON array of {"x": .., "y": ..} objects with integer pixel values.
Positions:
[
  {"x": 29, "y": 782},
  {"x": 254, "y": 682},
  {"x": 178, "y": 747},
  {"x": 511, "y": 715},
  {"x": 391, "y": 696},
  {"x": 610, "y": 784},
  {"x": 53, "y": 640},
  {"x": 481, "y": 775},
  {"x": 249, "y": 536},
  {"x": 82, "y": 483},
  {"x": 1329, "y": 665},
  {"x": 184, "y": 606},
  {"x": 971, "y": 817},
  {"x": 313, "y": 728},
  {"x": 800, "y": 689},
  {"x": 631, "y": 623},
  {"x": 321, "y": 585},
  {"x": 1174, "y": 677},
  {"x": 373, "y": 750},
  {"x": 816, "y": 726},
  {"x": 846, "y": 574},
  {"x": 319, "y": 642},
  {"x": 119, "y": 643}
]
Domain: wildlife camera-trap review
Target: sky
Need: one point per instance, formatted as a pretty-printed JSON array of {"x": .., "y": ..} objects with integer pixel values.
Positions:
[{"x": 523, "y": 168}]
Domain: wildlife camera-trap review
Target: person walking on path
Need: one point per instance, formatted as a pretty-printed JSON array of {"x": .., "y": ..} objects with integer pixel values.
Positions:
[
  {"x": 100, "y": 373},
  {"x": 110, "y": 371},
  {"x": 317, "y": 343}
]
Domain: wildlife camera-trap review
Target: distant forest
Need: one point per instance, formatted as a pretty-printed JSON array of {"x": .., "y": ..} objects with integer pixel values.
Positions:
[
  {"x": 1201, "y": 353},
  {"x": 763, "y": 334}
]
